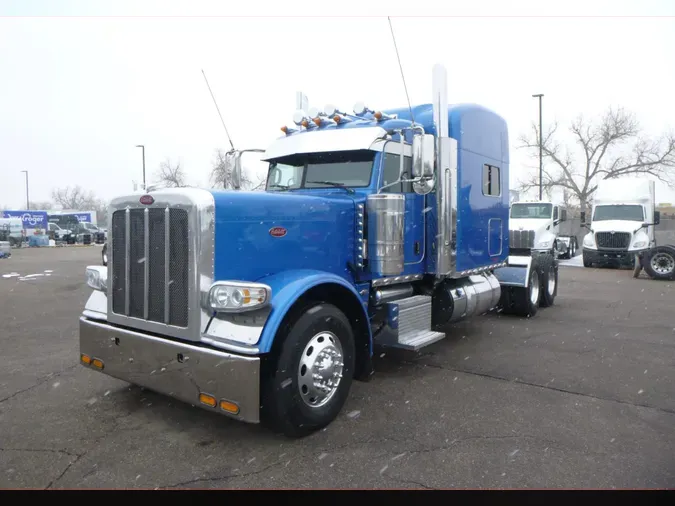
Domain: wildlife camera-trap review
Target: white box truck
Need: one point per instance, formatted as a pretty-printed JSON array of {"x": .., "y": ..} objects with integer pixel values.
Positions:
[{"x": 622, "y": 222}]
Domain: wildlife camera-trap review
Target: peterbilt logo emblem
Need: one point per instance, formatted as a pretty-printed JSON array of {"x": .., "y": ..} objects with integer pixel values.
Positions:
[
  {"x": 146, "y": 200},
  {"x": 612, "y": 233},
  {"x": 278, "y": 231}
]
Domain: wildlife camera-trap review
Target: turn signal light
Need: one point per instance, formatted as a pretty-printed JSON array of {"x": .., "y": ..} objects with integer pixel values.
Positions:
[
  {"x": 97, "y": 363},
  {"x": 230, "y": 407},
  {"x": 207, "y": 399},
  {"x": 284, "y": 129},
  {"x": 378, "y": 115},
  {"x": 86, "y": 359},
  {"x": 317, "y": 121},
  {"x": 305, "y": 123}
]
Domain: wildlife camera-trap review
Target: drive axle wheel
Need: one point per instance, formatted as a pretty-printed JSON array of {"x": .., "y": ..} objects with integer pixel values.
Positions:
[
  {"x": 524, "y": 301},
  {"x": 549, "y": 283},
  {"x": 312, "y": 372}
]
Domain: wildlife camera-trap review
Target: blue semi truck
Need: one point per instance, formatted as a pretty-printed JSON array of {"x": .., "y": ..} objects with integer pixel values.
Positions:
[{"x": 375, "y": 229}]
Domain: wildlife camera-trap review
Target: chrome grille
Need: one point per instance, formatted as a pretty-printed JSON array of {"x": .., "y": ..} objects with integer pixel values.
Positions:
[
  {"x": 521, "y": 239},
  {"x": 612, "y": 240},
  {"x": 150, "y": 264}
]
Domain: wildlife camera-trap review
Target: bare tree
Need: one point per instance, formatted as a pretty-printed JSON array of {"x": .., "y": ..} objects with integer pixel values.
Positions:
[
  {"x": 75, "y": 198},
  {"x": 41, "y": 205},
  {"x": 611, "y": 148},
  {"x": 78, "y": 199},
  {"x": 223, "y": 167},
  {"x": 171, "y": 176}
]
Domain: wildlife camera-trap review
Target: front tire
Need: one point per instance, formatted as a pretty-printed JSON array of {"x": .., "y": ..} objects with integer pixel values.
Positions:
[
  {"x": 587, "y": 260},
  {"x": 312, "y": 372}
]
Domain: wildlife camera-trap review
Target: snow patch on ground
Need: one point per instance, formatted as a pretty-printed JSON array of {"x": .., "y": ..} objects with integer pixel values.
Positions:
[{"x": 576, "y": 261}]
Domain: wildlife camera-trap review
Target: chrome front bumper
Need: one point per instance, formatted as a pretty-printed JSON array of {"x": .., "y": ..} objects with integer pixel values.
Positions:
[{"x": 178, "y": 370}]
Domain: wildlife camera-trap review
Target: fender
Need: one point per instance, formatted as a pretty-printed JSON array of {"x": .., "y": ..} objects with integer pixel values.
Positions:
[
  {"x": 516, "y": 272},
  {"x": 287, "y": 288}
]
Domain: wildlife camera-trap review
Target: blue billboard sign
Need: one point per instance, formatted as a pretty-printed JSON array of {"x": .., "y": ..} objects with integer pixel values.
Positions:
[{"x": 30, "y": 219}]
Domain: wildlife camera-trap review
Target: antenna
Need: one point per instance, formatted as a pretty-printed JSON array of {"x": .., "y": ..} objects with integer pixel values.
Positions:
[
  {"x": 217, "y": 109},
  {"x": 401, "y": 67}
]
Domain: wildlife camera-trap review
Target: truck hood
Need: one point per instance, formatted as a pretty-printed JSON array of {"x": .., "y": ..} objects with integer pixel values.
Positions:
[
  {"x": 615, "y": 226},
  {"x": 261, "y": 233},
  {"x": 528, "y": 224}
]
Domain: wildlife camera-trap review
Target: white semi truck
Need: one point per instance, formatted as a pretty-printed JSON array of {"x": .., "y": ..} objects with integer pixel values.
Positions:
[
  {"x": 622, "y": 222},
  {"x": 535, "y": 225}
]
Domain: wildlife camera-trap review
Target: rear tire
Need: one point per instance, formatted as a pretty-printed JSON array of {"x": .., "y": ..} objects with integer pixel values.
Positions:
[
  {"x": 549, "y": 282},
  {"x": 659, "y": 263},
  {"x": 311, "y": 374},
  {"x": 524, "y": 301}
]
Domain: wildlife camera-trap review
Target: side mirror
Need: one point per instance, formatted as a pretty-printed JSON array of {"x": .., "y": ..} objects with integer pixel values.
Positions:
[
  {"x": 582, "y": 217},
  {"x": 657, "y": 217},
  {"x": 563, "y": 215},
  {"x": 423, "y": 156}
]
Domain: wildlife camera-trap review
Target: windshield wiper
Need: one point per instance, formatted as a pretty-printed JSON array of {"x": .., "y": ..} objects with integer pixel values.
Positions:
[
  {"x": 332, "y": 183},
  {"x": 282, "y": 186}
]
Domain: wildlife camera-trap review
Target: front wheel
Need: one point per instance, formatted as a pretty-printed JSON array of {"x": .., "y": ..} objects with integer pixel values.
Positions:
[
  {"x": 660, "y": 263},
  {"x": 312, "y": 372},
  {"x": 587, "y": 260}
]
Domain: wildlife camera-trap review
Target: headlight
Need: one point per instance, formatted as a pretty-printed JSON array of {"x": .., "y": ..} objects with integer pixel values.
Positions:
[
  {"x": 640, "y": 244},
  {"x": 589, "y": 241},
  {"x": 232, "y": 297},
  {"x": 97, "y": 277}
]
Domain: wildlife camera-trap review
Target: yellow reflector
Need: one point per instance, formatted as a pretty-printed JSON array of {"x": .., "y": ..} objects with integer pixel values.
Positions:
[
  {"x": 378, "y": 115},
  {"x": 230, "y": 407},
  {"x": 207, "y": 399},
  {"x": 284, "y": 129},
  {"x": 97, "y": 363},
  {"x": 85, "y": 359}
]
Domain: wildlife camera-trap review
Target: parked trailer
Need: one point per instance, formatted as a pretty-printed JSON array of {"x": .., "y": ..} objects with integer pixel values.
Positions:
[{"x": 374, "y": 230}]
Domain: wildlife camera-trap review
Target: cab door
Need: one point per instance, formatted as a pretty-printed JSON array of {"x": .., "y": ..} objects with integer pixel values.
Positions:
[{"x": 414, "y": 203}]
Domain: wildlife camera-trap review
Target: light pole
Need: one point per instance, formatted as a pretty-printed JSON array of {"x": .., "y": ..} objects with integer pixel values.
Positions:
[
  {"x": 27, "y": 200},
  {"x": 143, "y": 148},
  {"x": 541, "y": 158}
]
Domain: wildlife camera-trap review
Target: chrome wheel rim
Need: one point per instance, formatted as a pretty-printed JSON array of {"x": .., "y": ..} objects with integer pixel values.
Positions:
[
  {"x": 534, "y": 288},
  {"x": 320, "y": 369},
  {"x": 663, "y": 263},
  {"x": 551, "y": 280}
]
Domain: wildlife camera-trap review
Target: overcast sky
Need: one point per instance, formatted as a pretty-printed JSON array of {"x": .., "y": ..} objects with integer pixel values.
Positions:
[{"x": 83, "y": 82}]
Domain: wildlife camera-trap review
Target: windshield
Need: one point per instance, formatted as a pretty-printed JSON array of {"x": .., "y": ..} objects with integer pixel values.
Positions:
[
  {"x": 351, "y": 169},
  {"x": 618, "y": 212},
  {"x": 531, "y": 211}
]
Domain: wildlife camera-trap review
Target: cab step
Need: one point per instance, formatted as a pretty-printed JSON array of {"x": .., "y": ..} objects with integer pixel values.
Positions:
[{"x": 409, "y": 324}]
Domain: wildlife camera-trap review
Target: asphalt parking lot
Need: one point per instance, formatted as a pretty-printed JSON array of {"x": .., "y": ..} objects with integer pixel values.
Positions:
[{"x": 580, "y": 396}]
